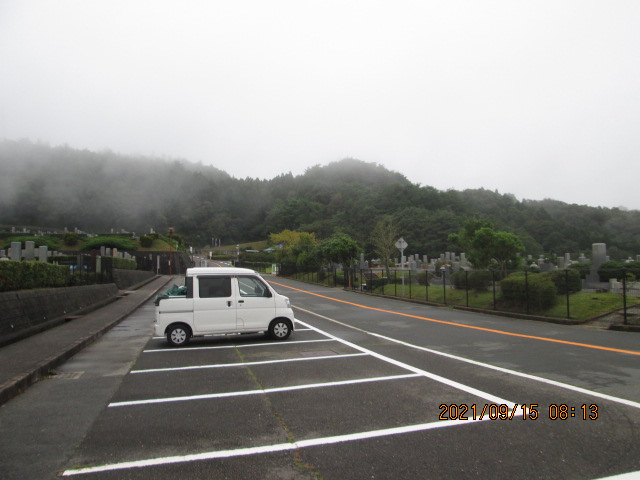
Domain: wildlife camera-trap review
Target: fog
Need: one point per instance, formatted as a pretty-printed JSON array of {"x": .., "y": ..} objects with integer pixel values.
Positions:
[{"x": 539, "y": 99}]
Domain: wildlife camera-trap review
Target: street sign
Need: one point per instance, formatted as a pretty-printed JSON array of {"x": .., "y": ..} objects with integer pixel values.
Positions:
[{"x": 401, "y": 244}]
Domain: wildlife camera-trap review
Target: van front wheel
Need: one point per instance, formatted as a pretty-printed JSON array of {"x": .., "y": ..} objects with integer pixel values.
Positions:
[
  {"x": 280, "y": 329},
  {"x": 178, "y": 335}
]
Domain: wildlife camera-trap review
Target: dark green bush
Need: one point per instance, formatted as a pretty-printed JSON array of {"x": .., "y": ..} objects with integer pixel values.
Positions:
[
  {"x": 70, "y": 239},
  {"x": 121, "y": 243},
  {"x": 146, "y": 241},
  {"x": 376, "y": 283},
  {"x": 424, "y": 277},
  {"x": 28, "y": 275},
  {"x": 616, "y": 270},
  {"x": 560, "y": 277},
  {"x": 124, "y": 263},
  {"x": 478, "y": 280},
  {"x": 536, "y": 290}
]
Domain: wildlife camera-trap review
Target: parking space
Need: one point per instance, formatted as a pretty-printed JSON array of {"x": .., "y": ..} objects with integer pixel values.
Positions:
[{"x": 334, "y": 402}]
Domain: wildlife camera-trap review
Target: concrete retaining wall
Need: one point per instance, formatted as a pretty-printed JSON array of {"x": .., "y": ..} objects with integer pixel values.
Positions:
[
  {"x": 26, "y": 312},
  {"x": 125, "y": 279}
]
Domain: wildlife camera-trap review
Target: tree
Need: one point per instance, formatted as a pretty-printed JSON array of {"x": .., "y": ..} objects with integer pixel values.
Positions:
[
  {"x": 484, "y": 245},
  {"x": 340, "y": 248},
  {"x": 503, "y": 247},
  {"x": 293, "y": 245},
  {"x": 383, "y": 239}
]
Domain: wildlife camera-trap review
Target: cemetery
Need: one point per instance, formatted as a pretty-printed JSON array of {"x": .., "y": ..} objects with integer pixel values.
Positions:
[
  {"x": 41, "y": 288},
  {"x": 567, "y": 290}
]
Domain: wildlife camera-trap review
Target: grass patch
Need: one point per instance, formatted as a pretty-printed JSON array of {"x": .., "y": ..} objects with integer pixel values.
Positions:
[
  {"x": 158, "y": 245},
  {"x": 582, "y": 305},
  {"x": 258, "y": 245},
  {"x": 53, "y": 243}
]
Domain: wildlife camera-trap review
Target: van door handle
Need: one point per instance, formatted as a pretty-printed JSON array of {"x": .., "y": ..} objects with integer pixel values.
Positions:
[
  {"x": 240, "y": 301},
  {"x": 229, "y": 303}
]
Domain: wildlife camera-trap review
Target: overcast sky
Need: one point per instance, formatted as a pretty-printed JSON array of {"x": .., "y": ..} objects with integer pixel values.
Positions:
[{"x": 539, "y": 98}]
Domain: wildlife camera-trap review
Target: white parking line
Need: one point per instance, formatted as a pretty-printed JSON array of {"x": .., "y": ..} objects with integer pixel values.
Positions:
[
  {"x": 314, "y": 442},
  {"x": 246, "y": 364},
  {"x": 305, "y": 443},
  {"x": 451, "y": 383},
  {"x": 260, "y": 392},
  {"x": 547, "y": 381},
  {"x": 220, "y": 347}
]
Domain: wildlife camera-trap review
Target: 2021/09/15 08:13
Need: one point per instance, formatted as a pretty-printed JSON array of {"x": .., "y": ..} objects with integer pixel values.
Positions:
[{"x": 494, "y": 411}]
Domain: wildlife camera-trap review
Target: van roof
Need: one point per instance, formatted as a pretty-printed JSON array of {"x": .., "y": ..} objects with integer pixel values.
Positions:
[{"x": 219, "y": 271}]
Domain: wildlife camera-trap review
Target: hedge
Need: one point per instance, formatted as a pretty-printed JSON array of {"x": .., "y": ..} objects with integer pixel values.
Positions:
[
  {"x": 560, "y": 277},
  {"x": 478, "y": 280},
  {"x": 27, "y": 275},
  {"x": 537, "y": 290},
  {"x": 124, "y": 263}
]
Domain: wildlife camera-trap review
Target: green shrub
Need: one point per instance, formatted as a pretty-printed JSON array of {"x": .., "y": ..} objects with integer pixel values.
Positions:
[
  {"x": 146, "y": 241},
  {"x": 70, "y": 239},
  {"x": 423, "y": 277},
  {"x": 121, "y": 243},
  {"x": 560, "y": 277},
  {"x": 536, "y": 290},
  {"x": 28, "y": 275},
  {"x": 478, "y": 280},
  {"x": 44, "y": 241},
  {"x": 616, "y": 270},
  {"x": 376, "y": 283},
  {"x": 124, "y": 263}
]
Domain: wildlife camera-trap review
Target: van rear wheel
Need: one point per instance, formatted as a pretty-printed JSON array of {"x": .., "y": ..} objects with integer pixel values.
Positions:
[
  {"x": 178, "y": 335},
  {"x": 280, "y": 329}
]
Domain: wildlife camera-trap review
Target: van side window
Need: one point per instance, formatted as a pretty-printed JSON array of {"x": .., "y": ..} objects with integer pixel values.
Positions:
[
  {"x": 214, "y": 287},
  {"x": 189, "y": 282},
  {"x": 252, "y": 287}
]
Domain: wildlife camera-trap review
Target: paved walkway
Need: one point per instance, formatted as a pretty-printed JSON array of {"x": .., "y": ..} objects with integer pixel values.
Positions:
[{"x": 25, "y": 362}]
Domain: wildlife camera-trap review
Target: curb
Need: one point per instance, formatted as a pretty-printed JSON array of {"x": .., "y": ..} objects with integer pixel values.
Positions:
[{"x": 19, "y": 383}]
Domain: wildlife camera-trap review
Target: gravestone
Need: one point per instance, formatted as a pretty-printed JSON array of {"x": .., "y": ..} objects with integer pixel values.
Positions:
[
  {"x": 29, "y": 250},
  {"x": 16, "y": 251},
  {"x": 42, "y": 253},
  {"x": 598, "y": 254},
  {"x": 598, "y": 257}
]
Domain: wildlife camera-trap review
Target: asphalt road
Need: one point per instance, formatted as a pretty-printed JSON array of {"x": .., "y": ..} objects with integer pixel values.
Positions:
[{"x": 365, "y": 388}]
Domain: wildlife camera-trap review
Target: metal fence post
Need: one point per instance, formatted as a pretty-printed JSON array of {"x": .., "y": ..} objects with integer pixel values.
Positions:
[
  {"x": 426, "y": 284},
  {"x": 526, "y": 289},
  {"x": 395, "y": 283},
  {"x": 624, "y": 294},
  {"x": 566, "y": 281},
  {"x": 466, "y": 281},
  {"x": 493, "y": 282},
  {"x": 444, "y": 285}
]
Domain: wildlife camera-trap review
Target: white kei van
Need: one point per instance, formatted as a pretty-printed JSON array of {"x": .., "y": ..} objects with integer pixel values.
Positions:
[{"x": 223, "y": 301}]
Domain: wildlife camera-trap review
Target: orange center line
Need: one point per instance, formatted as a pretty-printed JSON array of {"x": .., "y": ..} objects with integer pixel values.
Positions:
[{"x": 501, "y": 332}]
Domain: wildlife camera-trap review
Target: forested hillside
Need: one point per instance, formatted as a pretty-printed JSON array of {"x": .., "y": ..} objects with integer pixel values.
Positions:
[{"x": 97, "y": 192}]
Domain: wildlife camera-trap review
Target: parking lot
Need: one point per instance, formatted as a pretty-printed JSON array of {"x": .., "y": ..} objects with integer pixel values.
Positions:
[{"x": 338, "y": 402}]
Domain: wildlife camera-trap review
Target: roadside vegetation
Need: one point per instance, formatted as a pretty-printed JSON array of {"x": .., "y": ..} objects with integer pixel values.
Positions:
[{"x": 74, "y": 242}]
